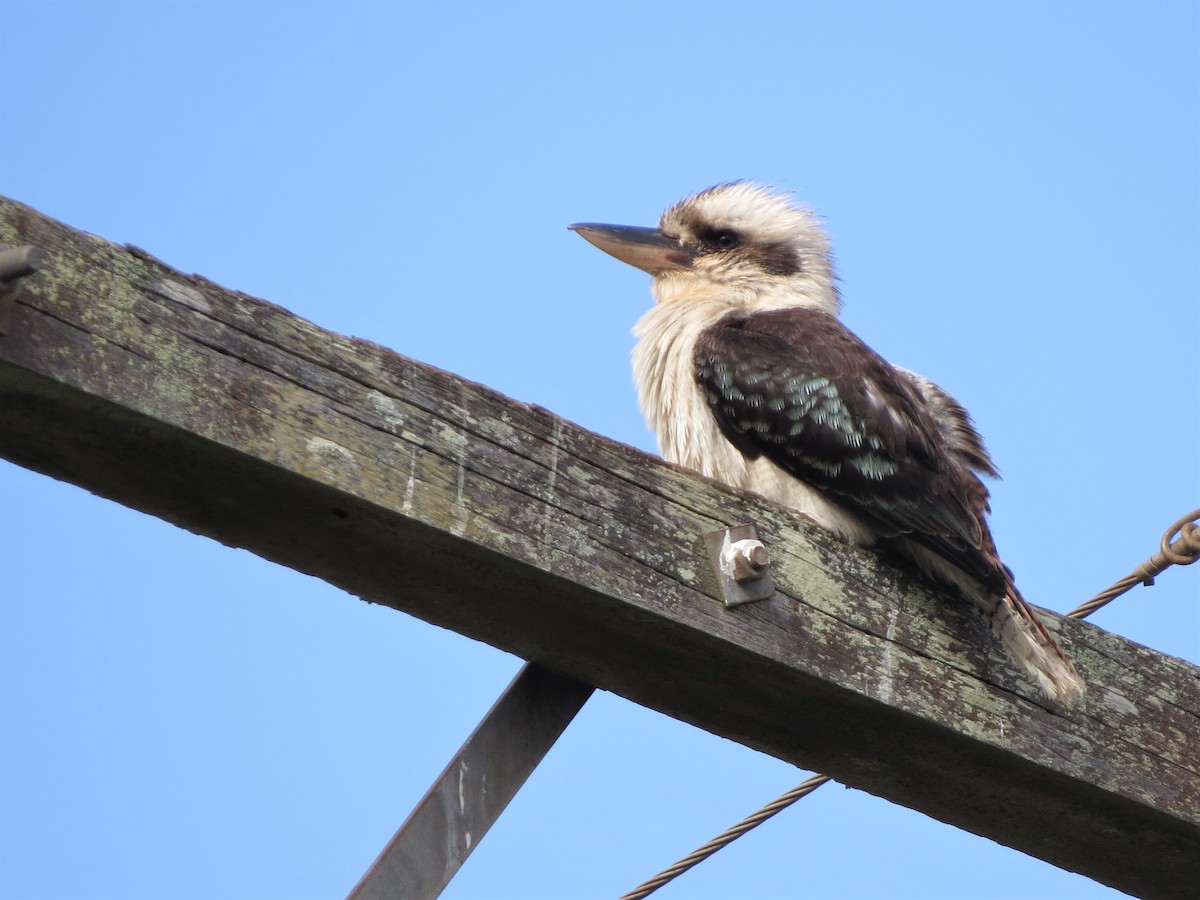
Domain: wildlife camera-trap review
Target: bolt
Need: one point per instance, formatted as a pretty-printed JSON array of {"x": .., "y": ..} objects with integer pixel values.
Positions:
[
  {"x": 17, "y": 262},
  {"x": 745, "y": 560}
]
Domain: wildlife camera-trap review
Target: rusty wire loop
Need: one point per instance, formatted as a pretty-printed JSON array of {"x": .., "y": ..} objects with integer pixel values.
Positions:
[
  {"x": 1181, "y": 552},
  {"x": 726, "y": 837}
]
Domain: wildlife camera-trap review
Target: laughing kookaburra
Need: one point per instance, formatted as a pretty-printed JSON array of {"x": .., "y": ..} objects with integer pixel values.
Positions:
[{"x": 746, "y": 375}]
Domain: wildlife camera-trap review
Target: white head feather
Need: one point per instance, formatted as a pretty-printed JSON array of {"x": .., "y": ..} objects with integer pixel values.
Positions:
[{"x": 782, "y": 257}]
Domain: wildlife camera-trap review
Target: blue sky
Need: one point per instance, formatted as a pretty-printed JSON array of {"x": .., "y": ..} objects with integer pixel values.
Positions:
[{"x": 1013, "y": 193}]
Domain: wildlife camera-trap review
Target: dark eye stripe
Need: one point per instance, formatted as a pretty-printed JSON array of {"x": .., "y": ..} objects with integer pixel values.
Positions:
[
  {"x": 719, "y": 238},
  {"x": 776, "y": 259}
]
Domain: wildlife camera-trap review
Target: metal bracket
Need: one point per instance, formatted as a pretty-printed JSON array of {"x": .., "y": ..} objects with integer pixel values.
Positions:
[
  {"x": 741, "y": 562},
  {"x": 15, "y": 264},
  {"x": 475, "y": 788}
]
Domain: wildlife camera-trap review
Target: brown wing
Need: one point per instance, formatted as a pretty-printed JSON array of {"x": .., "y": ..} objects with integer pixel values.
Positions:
[{"x": 799, "y": 388}]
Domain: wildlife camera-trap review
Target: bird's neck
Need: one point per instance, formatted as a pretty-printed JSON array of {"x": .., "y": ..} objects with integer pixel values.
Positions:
[{"x": 746, "y": 296}]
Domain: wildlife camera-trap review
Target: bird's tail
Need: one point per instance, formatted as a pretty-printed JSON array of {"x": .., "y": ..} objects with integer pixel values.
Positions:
[
  {"x": 1021, "y": 633},
  {"x": 1029, "y": 645}
]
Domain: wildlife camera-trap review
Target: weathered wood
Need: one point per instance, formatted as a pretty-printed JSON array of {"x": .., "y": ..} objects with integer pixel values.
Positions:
[{"x": 410, "y": 487}]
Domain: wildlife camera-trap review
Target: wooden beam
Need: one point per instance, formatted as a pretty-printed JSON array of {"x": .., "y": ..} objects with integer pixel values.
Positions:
[{"x": 410, "y": 487}]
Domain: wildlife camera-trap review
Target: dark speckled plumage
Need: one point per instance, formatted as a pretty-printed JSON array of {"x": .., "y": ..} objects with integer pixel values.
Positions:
[{"x": 797, "y": 386}]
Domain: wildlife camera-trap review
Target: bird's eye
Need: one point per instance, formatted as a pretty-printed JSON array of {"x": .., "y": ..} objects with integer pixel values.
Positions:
[{"x": 722, "y": 239}]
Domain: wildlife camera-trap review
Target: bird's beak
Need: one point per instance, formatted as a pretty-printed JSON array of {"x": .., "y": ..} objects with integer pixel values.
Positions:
[{"x": 645, "y": 248}]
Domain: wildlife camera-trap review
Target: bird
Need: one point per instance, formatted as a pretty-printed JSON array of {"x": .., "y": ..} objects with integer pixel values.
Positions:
[{"x": 746, "y": 374}]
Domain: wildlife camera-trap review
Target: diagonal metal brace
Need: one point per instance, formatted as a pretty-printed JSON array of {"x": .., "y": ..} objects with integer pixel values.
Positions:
[
  {"x": 15, "y": 264},
  {"x": 470, "y": 794}
]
